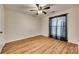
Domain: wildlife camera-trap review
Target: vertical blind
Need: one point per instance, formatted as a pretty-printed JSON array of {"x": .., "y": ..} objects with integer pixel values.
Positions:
[{"x": 58, "y": 27}]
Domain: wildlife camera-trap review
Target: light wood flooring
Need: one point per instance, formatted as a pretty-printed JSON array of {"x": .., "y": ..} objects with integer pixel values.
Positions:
[{"x": 40, "y": 45}]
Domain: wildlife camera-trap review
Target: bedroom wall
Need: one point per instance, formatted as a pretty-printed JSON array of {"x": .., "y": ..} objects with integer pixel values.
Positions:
[
  {"x": 20, "y": 25},
  {"x": 73, "y": 23}
]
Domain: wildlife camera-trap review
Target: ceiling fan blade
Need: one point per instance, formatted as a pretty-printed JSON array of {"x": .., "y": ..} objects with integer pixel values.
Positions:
[
  {"x": 44, "y": 12},
  {"x": 36, "y": 13},
  {"x": 33, "y": 10},
  {"x": 46, "y": 8},
  {"x": 37, "y": 5}
]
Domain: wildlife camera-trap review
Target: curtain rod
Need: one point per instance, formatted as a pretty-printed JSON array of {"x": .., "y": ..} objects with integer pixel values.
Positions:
[{"x": 58, "y": 15}]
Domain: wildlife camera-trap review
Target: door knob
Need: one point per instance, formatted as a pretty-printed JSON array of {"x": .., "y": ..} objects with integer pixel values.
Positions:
[{"x": 1, "y": 32}]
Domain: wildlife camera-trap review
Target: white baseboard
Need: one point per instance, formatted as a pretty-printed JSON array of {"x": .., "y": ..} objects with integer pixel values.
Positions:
[{"x": 21, "y": 38}]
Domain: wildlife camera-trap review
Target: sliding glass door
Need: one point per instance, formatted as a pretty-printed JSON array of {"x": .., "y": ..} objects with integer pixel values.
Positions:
[{"x": 58, "y": 27}]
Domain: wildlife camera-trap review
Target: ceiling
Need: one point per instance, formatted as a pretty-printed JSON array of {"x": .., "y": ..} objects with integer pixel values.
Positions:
[{"x": 26, "y": 7}]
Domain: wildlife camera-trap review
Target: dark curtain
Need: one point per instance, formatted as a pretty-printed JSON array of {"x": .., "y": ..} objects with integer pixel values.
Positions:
[{"x": 58, "y": 27}]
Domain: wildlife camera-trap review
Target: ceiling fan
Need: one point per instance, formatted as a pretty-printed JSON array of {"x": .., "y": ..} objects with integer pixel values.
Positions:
[{"x": 41, "y": 9}]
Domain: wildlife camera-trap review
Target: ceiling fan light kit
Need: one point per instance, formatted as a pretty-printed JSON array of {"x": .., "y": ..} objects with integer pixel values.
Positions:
[{"x": 39, "y": 11}]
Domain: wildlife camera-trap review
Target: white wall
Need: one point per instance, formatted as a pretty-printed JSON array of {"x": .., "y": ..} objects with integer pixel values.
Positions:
[
  {"x": 73, "y": 24},
  {"x": 20, "y": 25}
]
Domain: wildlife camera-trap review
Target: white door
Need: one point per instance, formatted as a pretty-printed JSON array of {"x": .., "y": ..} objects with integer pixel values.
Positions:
[{"x": 1, "y": 26}]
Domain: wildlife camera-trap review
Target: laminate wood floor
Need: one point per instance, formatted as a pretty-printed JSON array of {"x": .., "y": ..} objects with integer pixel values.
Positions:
[{"x": 40, "y": 45}]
